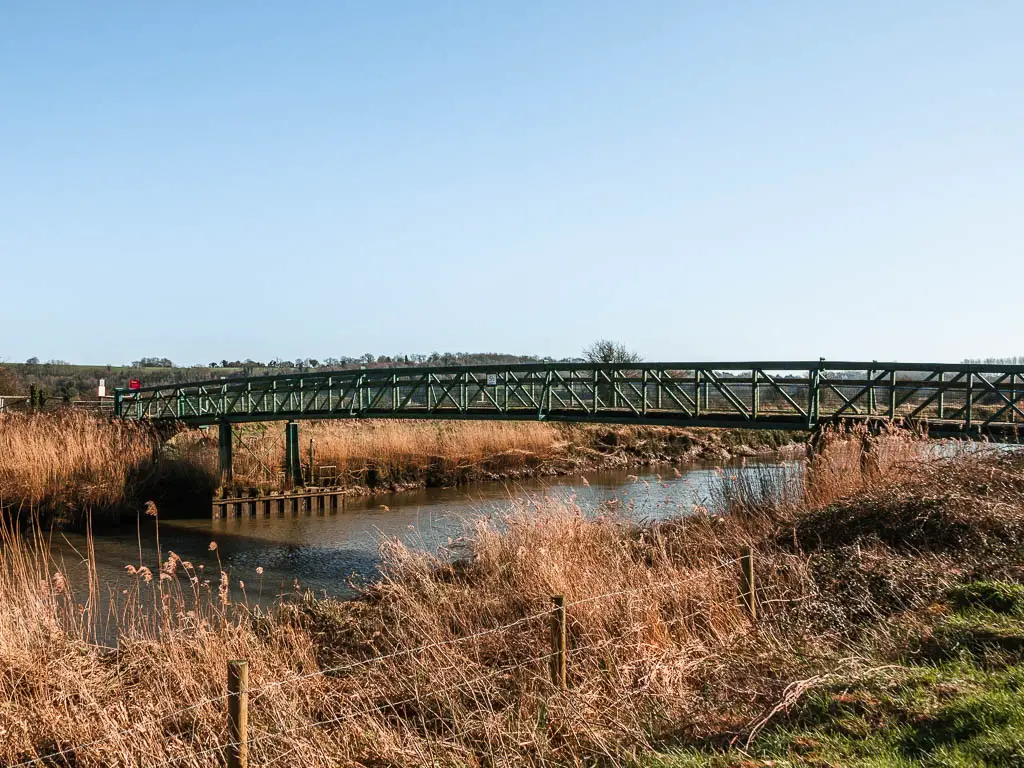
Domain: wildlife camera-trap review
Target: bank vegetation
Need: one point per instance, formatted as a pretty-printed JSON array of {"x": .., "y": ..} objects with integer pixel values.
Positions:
[
  {"x": 864, "y": 564},
  {"x": 69, "y": 464}
]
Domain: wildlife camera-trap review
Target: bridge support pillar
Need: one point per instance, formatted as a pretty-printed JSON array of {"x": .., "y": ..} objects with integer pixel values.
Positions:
[
  {"x": 225, "y": 453},
  {"x": 292, "y": 462}
]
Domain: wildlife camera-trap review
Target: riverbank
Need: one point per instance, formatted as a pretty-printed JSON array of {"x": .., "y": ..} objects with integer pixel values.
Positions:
[
  {"x": 68, "y": 465},
  {"x": 372, "y": 456},
  {"x": 874, "y": 562}
]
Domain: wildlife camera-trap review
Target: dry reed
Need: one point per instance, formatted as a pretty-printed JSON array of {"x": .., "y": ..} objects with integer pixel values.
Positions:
[
  {"x": 397, "y": 453},
  {"x": 393, "y": 452},
  {"x": 69, "y": 458},
  {"x": 444, "y": 661},
  {"x": 70, "y": 464}
]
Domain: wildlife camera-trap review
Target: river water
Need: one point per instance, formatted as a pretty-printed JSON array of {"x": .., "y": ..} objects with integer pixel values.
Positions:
[{"x": 321, "y": 552}]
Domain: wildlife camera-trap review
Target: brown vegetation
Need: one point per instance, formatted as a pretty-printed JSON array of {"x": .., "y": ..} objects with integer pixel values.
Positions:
[
  {"x": 395, "y": 454},
  {"x": 444, "y": 662},
  {"x": 69, "y": 458},
  {"x": 68, "y": 463}
]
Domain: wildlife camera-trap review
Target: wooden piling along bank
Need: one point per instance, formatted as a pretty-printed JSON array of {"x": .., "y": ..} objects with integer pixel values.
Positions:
[{"x": 233, "y": 502}]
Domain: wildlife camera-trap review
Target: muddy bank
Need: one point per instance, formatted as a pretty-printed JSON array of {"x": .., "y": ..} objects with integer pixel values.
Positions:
[{"x": 576, "y": 449}]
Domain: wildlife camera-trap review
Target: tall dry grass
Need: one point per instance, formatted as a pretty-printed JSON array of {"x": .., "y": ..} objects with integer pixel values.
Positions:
[
  {"x": 68, "y": 464},
  {"x": 445, "y": 660},
  {"x": 393, "y": 452},
  {"x": 398, "y": 453},
  {"x": 69, "y": 459},
  {"x": 462, "y": 676},
  {"x": 851, "y": 459}
]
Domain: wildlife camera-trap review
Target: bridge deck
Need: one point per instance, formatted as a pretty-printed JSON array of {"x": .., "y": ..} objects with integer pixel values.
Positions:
[{"x": 776, "y": 395}]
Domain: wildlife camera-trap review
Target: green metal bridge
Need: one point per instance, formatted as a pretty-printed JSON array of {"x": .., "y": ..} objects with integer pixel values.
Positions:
[
  {"x": 978, "y": 399},
  {"x": 966, "y": 400}
]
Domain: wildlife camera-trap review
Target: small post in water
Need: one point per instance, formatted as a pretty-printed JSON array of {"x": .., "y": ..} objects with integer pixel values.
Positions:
[
  {"x": 238, "y": 714},
  {"x": 558, "y": 662},
  {"x": 747, "y": 585},
  {"x": 312, "y": 475}
]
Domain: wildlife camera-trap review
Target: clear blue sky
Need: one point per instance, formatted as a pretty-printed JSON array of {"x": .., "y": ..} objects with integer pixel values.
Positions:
[{"x": 709, "y": 180}]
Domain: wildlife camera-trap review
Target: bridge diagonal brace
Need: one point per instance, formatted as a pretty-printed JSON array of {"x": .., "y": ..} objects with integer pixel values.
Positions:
[
  {"x": 203, "y": 398},
  {"x": 519, "y": 391},
  {"x": 309, "y": 405},
  {"x": 866, "y": 389},
  {"x": 294, "y": 396},
  {"x": 636, "y": 390},
  {"x": 348, "y": 390},
  {"x": 446, "y": 392},
  {"x": 941, "y": 388},
  {"x": 164, "y": 407},
  {"x": 775, "y": 386},
  {"x": 847, "y": 402},
  {"x": 414, "y": 387},
  {"x": 671, "y": 384},
  {"x": 345, "y": 390},
  {"x": 230, "y": 407},
  {"x": 382, "y": 387},
  {"x": 728, "y": 394},
  {"x": 626, "y": 400},
  {"x": 186, "y": 402},
  {"x": 552, "y": 394},
  {"x": 482, "y": 390},
  {"x": 572, "y": 393},
  {"x": 1009, "y": 404},
  {"x": 918, "y": 385}
]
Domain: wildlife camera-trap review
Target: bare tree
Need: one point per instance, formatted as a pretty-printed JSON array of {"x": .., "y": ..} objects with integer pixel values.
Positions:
[{"x": 605, "y": 351}]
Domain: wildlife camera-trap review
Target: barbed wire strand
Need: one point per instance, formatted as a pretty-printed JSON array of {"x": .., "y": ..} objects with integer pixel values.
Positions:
[
  {"x": 392, "y": 705},
  {"x": 364, "y": 662}
]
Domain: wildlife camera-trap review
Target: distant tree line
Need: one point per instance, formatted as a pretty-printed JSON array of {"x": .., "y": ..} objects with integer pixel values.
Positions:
[
  {"x": 57, "y": 378},
  {"x": 1019, "y": 360}
]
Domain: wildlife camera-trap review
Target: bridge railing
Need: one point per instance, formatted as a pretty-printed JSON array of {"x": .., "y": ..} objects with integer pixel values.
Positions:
[{"x": 794, "y": 395}]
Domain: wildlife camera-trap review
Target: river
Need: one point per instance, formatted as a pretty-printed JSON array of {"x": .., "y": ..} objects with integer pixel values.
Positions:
[{"x": 321, "y": 552}]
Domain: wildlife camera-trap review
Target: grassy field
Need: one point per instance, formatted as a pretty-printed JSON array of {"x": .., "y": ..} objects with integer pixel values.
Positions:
[
  {"x": 889, "y": 632},
  {"x": 954, "y": 697}
]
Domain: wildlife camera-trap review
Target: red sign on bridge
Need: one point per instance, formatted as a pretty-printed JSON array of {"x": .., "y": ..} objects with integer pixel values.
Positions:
[{"x": 134, "y": 384}]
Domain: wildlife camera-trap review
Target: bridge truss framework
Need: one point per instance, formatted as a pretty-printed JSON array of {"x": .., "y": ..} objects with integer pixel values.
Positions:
[
  {"x": 968, "y": 399},
  {"x": 964, "y": 400}
]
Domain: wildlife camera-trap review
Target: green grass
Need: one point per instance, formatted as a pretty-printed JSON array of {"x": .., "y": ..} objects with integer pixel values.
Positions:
[{"x": 956, "y": 700}]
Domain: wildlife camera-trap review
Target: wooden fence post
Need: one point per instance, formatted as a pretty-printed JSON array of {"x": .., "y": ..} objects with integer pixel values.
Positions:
[
  {"x": 748, "y": 587},
  {"x": 558, "y": 663},
  {"x": 238, "y": 714}
]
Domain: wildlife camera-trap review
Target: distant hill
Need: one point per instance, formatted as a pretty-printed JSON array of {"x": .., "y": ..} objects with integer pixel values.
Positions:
[{"x": 59, "y": 379}]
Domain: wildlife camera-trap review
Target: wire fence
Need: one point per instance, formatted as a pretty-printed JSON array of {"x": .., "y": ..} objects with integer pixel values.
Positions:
[{"x": 750, "y": 597}]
